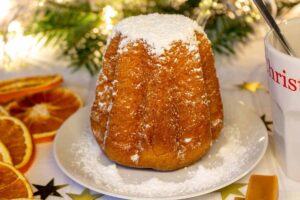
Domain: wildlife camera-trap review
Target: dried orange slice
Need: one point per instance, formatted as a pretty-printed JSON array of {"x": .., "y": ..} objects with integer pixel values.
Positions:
[
  {"x": 15, "y": 88},
  {"x": 13, "y": 184},
  {"x": 43, "y": 113},
  {"x": 17, "y": 139},
  {"x": 4, "y": 154},
  {"x": 3, "y": 111}
]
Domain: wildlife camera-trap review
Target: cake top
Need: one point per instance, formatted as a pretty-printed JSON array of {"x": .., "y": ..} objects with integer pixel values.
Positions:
[{"x": 157, "y": 30}]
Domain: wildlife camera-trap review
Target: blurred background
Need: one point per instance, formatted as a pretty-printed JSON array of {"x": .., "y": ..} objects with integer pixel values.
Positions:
[{"x": 73, "y": 33}]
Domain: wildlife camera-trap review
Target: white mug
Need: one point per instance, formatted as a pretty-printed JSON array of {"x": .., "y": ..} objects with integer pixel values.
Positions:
[{"x": 284, "y": 83}]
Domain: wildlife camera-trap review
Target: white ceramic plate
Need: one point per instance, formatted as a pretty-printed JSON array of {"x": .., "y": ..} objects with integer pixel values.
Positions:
[{"x": 238, "y": 150}]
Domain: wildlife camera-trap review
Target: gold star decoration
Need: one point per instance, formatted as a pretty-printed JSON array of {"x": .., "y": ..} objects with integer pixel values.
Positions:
[
  {"x": 251, "y": 86},
  {"x": 232, "y": 189},
  {"x": 48, "y": 190},
  {"x": 266, "y": 123},
  {"x": 85, "y": 195}
]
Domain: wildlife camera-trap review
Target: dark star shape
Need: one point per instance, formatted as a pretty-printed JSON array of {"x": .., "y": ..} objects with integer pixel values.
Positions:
[
  {"x": 49, "y": 189},
  {"x": 267, "y": 123}
]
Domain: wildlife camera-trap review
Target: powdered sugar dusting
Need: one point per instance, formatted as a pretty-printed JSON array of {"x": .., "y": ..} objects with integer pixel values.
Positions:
[
  {"x": 135, "y": 158},
  {"x": 158, "y": 31},
  {"x": 216, "y": 122},
  {"x": 224, "y": 160},
  {"x": 187, "y": 140}
]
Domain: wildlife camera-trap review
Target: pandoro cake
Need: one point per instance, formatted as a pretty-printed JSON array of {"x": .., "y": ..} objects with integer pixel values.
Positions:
[{"x": 157, "y": 103}]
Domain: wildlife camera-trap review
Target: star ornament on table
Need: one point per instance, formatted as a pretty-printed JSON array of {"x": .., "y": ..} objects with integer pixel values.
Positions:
[
  {"x": 266, "y": 123},
  {"x": 85, "y": 195},
  {"x": 48, "y": 190},
  {"x": 251, "y": 86},
  {"x": 232, "y": 189}
]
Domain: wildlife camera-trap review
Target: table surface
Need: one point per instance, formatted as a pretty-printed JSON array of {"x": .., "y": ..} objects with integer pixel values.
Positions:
[{"x": 247, "y": 66}]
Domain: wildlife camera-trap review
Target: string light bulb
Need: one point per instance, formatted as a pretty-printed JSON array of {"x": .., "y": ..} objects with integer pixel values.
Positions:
[
  {"x": 4, "y": 8},
  {"x": 107, "y": 14},
  {"x": 15, "y": 28}
]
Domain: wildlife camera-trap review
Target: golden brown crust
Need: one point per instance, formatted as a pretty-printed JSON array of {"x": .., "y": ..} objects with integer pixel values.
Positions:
[
  {"x": 100, "y": 115},
  {"x": 212, "y": 85},
  {"x": 152, "y": 112}
]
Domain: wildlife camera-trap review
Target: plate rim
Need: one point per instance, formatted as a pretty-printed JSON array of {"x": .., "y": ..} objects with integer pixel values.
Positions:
[{"x": 195, "y": 194}]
